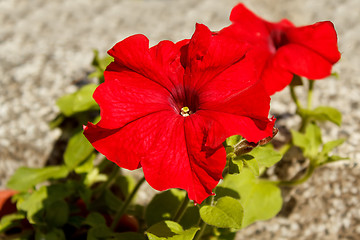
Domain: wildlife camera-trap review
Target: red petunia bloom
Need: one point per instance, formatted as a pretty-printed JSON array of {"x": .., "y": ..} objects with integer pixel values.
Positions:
[
  {"x": 308, "y": 51},
  {"x": 168, "y": 109}
]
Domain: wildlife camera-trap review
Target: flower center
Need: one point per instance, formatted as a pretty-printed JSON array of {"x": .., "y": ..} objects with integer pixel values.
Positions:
[
  {"x": 185, "y": 112},
  {"x": 185, "y": 101},
  {"x": 278, "y": 38}
]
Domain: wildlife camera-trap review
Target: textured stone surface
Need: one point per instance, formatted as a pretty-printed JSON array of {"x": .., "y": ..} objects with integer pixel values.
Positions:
[{"x": 46, "y": 48}]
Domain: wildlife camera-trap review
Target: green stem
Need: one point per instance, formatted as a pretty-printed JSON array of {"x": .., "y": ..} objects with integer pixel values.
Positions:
[
  {"x": 290, "y": 183},
  {"x": 310, "y": 93},
  {"x": 182, "y": 209},
  {"x": 304, "y": 119},
  {"x": 304, "y": 123},
  {"x": 199, "y": 234},
  {"x": 295, "y": 98},
  {"x": 126, "y": 203}
]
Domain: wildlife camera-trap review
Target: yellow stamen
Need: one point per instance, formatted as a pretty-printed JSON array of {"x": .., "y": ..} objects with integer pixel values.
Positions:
[{"x": 185, "y": 112}]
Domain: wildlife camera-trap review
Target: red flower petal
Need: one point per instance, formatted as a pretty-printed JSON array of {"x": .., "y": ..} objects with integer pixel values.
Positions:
[
  {"x": 316, "y": 44},
  {"x": 250, "y": 27},
  {"x": 128, "y": 145},
  {"x": 181, "y": 161},
  {"x": 224, "y": 125},
  {"x": 127, "y": 97},
  {"x": 275, "y": 78},
  {"x": 319, "y": 37},
  {"x": 233, "y": 81},
  {"x": 302, "y": 61},
  {"x": 227, "y": 68},
  {"x": 133, "y": 53}
]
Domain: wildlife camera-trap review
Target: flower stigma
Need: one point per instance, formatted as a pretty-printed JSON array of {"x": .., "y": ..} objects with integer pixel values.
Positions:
[{"x": 185, "y": 112}]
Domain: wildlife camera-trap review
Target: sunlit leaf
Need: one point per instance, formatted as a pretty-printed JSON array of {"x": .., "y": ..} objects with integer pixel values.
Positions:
[
  {"x": 78, "y": 101},
  {"x": 86, "y": 165},
  {"x": 77, "y": 150},
  {"x": 169, "y": 230},
  {"x": 233, "y": 140},
  {"x": 299, "y": 139},
  {"x": 25, "y": 178},
  {"x": 265, "y": 156},
  {"x": 251, "y": 163},
  {"x": 94, "y": 176},
  {"x": 227, "y": 213},
  {"x": 329, "y": 146},
  {"x": 323, "y": 113},
  {"x": 334, "y": 158},
  {"x": 260, "y": 199}
]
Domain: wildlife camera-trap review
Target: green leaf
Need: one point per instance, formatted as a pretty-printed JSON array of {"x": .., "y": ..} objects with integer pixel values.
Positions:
[
  {"x": 95, "y": 219},
  {"x": 163, "y": 206},
  {"x": 86, "y": 165},
  {"x": 329, "y": 146},
  {"x": 299, "y": 139},
  {"x": 10, "y": 220},
  {"x": 169, "y": 230},
  {"x": 260, "y": 199},
  {"x": 251, "y": 163},
  {"x": 333, "y": 158},
  {"x": 57, "y": 213},
  {"x": 35, "y": 204},
  {"x": 323, "y": 113},
  {"x": 313, "y": 134},
  {"x": 94, "y": 176},
  {"x": 25, "y": 178},
  {"x": 235, "y": 166},
  {"x": 100, "y": 65},
  {"x": 227, "y": 213},
  {"x": 190, "y": 217},
  {"x": 77, "y": 150},
  {"x": 233, "y": 140},
  {"x": 76, "y": 221},
  {"x": 112, "y": 201},
  {"x": 78, "y": 101},
  {"x": 224, "y": 191},
  {"x": 265, "y": 156},
  {"x": 57, "y": 121},
  {"x": 126, "y": 183}
]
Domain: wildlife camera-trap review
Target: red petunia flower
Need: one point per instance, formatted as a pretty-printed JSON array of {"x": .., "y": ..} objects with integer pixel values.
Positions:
[
  {"x": 308, "y": 51},
  {"x": 168, "y": 109}
]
